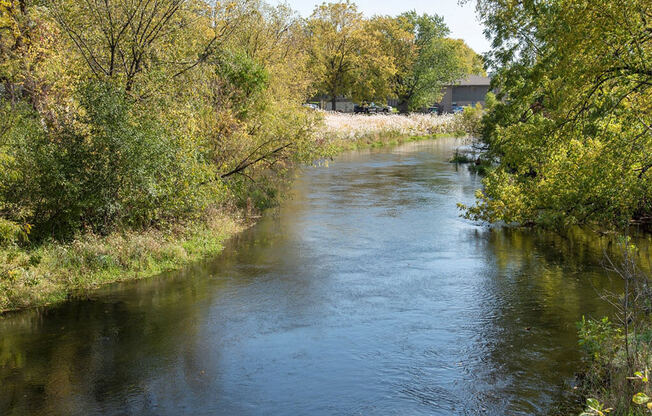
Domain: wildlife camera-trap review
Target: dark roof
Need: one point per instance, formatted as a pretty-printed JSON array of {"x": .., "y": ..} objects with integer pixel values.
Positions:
[{"x": 473, "y": 80}]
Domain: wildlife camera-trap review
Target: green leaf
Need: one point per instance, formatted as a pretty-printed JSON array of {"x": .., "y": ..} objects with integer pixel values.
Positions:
[
  {"x": 640, "y": 398},
  {"x": 593, "y": 403}
]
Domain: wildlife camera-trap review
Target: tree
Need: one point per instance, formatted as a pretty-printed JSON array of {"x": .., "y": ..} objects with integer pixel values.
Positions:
[
  {"x": 345, "y": 58},
  {"x": 26, "y": 50},
  {"x": 467, "y": 59},
  {"x": 120, "y": 40},
  {"x": 572, "y": 129},
  {"x": 425, "y": 58},
  {"x": 274, "y": 36}
]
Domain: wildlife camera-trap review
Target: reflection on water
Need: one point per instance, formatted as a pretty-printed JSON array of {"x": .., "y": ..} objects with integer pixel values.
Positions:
[{"x": 365, "y": 294}]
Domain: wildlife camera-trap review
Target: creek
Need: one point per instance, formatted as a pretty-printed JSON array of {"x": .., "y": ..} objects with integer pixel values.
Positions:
[{"x": 363, "y": 294}]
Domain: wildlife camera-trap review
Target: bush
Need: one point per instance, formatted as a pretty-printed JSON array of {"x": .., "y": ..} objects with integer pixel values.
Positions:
[
  {"x": 11, "y": 233},
  {"x": 618, "y": 350},
  {"x": 109, "y": 165},
  {"x": 472, "y": 119},
  {"x": 600, "y": 339}
]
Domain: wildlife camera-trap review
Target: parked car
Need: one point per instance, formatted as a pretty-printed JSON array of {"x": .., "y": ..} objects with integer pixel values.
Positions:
[
  {"x": 381, "y": 108},
  {"x": 311, "y": 106},
  {"x": 360, "y": 109},
  {"x": 457, "y": 109},
  {"x": 435, "y": 109},
  {"x": 372, "y": 108}
]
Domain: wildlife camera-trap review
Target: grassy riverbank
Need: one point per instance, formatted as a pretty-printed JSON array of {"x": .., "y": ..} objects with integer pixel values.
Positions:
[{"x": 50, "y": 272}]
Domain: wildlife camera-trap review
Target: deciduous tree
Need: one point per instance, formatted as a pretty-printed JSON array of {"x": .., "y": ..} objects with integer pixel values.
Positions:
[
  {"x": 346, "y": 59},
  {"x": 425, "y": 58}
]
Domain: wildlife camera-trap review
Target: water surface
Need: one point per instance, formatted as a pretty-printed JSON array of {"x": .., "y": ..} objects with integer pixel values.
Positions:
[{"x": 366, "y": 294}]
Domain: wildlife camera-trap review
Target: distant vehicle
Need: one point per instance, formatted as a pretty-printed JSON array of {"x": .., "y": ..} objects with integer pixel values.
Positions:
[
  {"x": 435, "y": 109},
  {"x": 372, "y": 108},
  {"x": 457, "y": 109},
  {"x": 382, "y": 108},
  {"x": 360, "y": 109},
  {"x": 311, "y": 106}
]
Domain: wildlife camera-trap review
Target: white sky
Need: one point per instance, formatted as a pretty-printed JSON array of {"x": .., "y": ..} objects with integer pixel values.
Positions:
[{"x": 461, "y": 19}]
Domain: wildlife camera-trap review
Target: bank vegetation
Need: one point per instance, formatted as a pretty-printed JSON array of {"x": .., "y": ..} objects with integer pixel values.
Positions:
[
  {"x": 353, "y": 131},
  {"x": 570, "y": 141}
]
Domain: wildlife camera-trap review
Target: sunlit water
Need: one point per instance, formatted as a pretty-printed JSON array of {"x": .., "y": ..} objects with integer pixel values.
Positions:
[{"x": 366, "y": 294}]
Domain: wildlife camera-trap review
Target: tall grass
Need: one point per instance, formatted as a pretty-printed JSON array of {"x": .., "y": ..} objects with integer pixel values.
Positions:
[{"x": 355, "y": 130}]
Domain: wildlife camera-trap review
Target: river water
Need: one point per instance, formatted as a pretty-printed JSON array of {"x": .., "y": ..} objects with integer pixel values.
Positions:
[{"x": 365, "y": 294}]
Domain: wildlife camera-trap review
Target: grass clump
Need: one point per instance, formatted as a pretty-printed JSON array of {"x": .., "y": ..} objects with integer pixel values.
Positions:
[
  {"x": 50, "y": 272},
  {"x": 461, "y": 158},
  {"x": 480, "y": 165}
]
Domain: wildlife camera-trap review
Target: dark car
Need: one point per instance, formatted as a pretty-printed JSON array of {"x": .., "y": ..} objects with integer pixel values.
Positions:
[
  {"x": 435, "y": 109},
  {"x": 360, "y": 109},
  {"x": 372, "y": 108}
]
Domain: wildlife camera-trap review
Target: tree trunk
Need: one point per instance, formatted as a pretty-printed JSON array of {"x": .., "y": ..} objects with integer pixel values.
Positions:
[{"x": 334, "y": 102}]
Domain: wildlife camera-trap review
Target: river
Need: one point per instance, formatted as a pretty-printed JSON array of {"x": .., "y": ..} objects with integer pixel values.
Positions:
[{"x": 364, "y": 294}]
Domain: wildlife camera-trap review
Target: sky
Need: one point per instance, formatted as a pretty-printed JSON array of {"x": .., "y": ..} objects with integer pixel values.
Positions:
[{"x": 461, "y": 19}]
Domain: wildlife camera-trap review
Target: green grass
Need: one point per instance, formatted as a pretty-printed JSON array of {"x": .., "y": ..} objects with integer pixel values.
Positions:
[
  {"x": 50, "y": 273},
  {"x": 481, "y": 167},
  {"x": 461, "y": 158}
]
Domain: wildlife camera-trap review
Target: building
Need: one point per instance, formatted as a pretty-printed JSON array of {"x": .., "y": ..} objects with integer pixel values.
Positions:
[
  {"x": 468, "y": 91},
  {"x": 344, "y": 104}
]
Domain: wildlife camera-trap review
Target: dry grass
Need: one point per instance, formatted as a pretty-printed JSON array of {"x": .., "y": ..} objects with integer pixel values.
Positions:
[{"x": 355, "y": 128}]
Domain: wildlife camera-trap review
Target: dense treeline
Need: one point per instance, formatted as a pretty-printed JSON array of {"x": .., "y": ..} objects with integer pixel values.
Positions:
[
  {"x": 571, "y": 140},
  {"x": 132, "y": 114},
  {"x": 407, "y": 57},
  {"x": 572, "y": 129}
]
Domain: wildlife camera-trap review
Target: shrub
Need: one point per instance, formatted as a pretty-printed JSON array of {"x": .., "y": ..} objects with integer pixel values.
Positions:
[
  {"x": 11, "y": 233},
  {"x": 472, "y": 119},
  {"x": 601, "y": 339},
  {"x": 109, "y": 165}
]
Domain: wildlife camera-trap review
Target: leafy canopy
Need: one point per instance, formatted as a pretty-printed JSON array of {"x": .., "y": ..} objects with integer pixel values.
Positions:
[
  {"x": 425, "y": 58},
  {"x": 572, "y": 128},
  {"x": 346, "y": 59}
]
